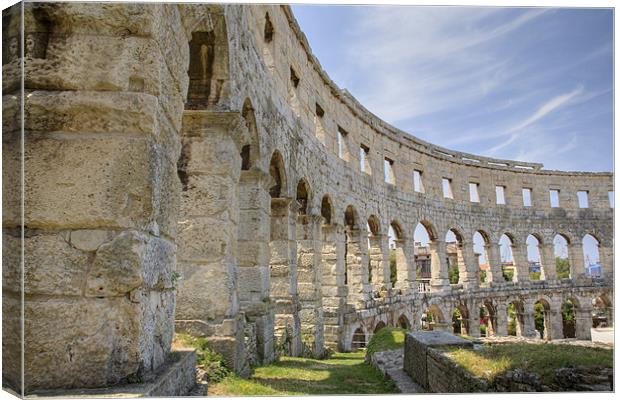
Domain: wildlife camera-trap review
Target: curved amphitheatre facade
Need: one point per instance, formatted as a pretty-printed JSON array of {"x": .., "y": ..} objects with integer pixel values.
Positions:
[{"x": 207, "y": 140}]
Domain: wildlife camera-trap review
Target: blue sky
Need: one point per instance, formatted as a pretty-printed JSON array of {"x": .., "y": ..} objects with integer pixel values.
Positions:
[{"x": 531, "y": 84}]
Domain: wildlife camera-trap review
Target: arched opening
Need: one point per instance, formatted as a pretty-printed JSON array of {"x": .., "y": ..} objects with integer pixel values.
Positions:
[
  {"x": 268, "y": 43},
  {"x": 303, "y": 197},
  {"x": 602, "y": 312},
  {"x": 208, "y": 62},
  {"x": 591, "y": 256},
  {"x": 400, "y": 259},
  {"x": 380, "y": 325},
  {"x": 326, "y": 210},
  {"x": 514, "y": 313},
  {"x": 359, "y": 340},
  {"x": 560, "y": 253},
  {"x": 542, "y": 320},
  {"x": 569, "y": 318},
  {"x": 460, "y": 320},
  {"x": 403, "y": 322},
  {"x": 454, "y": 257},
  {"x": 533, "y": 257},
  {"x": 276, "y": 170},
  {"x": 432, "y": 319},
  {"x": 506, "y": 258},
  {"x": 356, "y": 262},
  {"x": 424, "y": 250},
  {"x": 375, "y": 255},
  {"x": 488, "y": 319},
  {"x": 480, "y": 244}
]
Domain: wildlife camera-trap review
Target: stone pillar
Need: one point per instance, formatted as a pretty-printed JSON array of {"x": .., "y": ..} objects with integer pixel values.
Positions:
[
  {"x": 101, "y": 193},
  {"x": 309, "y": 280},
  {"x": 357, "y": 267},
  {"x": 553, "y": 323},
  {"x": 495, "y": 263},
  {"x": 333, "y": 288},
  {"x": 253, "y": 259},
  {"x": 575, "y": 259},
  {"x": 606, "y": 259},
  {"x": 519, "y": 256},
  {"x": 473, "y": 323},
  {"x": 405, "y": 266},
  {"x": 547, "y": 262},
  {"x": 439, "y": 266},
  {"x": 467, "y": 257},
  {"x": 283, "y": 273},
  {"x": 528, "y": 328},
  {"x": 583, "y": 322},
  {"x": 501, "y": 325},
  {"x": 379, "y": 263}
]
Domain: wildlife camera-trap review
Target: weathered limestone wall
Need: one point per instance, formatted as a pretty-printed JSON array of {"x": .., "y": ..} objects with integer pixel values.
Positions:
[
  {"x": 104, "y": 88},
  {"x": 207, "y": 135}
]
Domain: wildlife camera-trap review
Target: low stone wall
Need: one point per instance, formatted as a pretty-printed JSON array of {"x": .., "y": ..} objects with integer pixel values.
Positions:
[
  {"x": 602, "y": 335},
  {"x": 428, "y": 365}
]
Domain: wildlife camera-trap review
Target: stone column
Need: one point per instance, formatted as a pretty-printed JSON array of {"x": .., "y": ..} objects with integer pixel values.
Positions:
[
  {"x": 405, "y": 266},
  {"x": 547, "y": 262},
  {"x": 473, "y": 323},
  {"x": 519, "y": 256},
  {"x": 309, "y": 280},
  {"x": 555, "y": 324},
  {"x": 253, "y": 259},
  {"x": 379, "y": 263},
  {"x": 333, "y": 287},
  {"x": 606, "y": 259},
  {"x": 501, "y": 325},
  {"x": 495, "y": 263},
  {"x": 528, "y": 328},
  {"x": 357, "y": 267},
  {"x": 583, "y": 322},
  {"x": 575, "y": 259},
  {"x": 439, "y": 266},
  {"x": 283, "y": 273},
  {"x": 471, "y": 267}
]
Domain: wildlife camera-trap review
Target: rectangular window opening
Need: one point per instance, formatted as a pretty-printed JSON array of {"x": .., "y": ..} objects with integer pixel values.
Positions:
[
  {"x": 474, "y": 197},
  {"x": 364, "y": 159},
  {"x": 417, "y": 181},
  {"x": 499, "y": 194},
  {"x": 527, "y": 197},
  {"x": 554, "y": 198},
  {"x": 446, "y": 184},
  {"x": 343, "y": 151},
  {"x": 388, "y": 165},
  {"x": 610, "y": 194},
  {"x": 294, "y": 78},
  {"x": 582, "y": 198}
]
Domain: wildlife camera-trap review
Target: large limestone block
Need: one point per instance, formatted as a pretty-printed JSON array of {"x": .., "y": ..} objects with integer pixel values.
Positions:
[
  {"x": 211, "y": 155},
  {"x": 205, "y": 291},
  {"x": 11, "y": 338},
  {"x": 207, "y": 195},
  {"x": 205, "y": 239},
  {"x": 51, "y": 265},
  {"x": 252, "y": 253},
  {"x": 88, "y": 183},
  {"x": 82, "y": 342},
  {"x": 91, "y": 112}
]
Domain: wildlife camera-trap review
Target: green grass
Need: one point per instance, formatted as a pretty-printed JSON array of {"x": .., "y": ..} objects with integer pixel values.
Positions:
[
  {"x": 343, "y": 373},
  {"x": 386, "y": 339},
  {"x": 543, "y": 359}
]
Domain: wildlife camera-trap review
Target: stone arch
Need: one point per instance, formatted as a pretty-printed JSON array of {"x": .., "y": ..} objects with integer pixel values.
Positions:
[
  {"x": 460, "y": 319},
  {"x": 457, "y": 268},
  {"x": 480, "y": 243},
  {"x": 542, "y": 317},
  {"x": 398, "y": 230},
  {"x": 602, "y": 315},
  {"x": 591, "y": 248},
  {"x": 277, "y": 171},
  {"x": 430, "y": 229},
  {"x": 351, "y": 217},
  {"x": 488, "y": 317},
  {"x": 209, "y": 61},
  {"x": 303, "y": 196},
  {"x": 568, "y": 311},
  {"x": 374, "y": 226},
  {"x": 534, "y": 244},
  {"x": 358, "y": 339},
  {"x": 403, "y": 322},
  {"x": 375, "y": 253},
  {"x": 506, "y": 243},
  {"x": 433, "y": 318},
  {"x": 515, "y": 317},
  {"x": 380, "y": 325},
  {"x": 561, "y": 256}
]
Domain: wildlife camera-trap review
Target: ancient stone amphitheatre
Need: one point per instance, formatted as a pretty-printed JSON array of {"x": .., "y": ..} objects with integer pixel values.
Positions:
[{"x": 191, "y": 168}]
